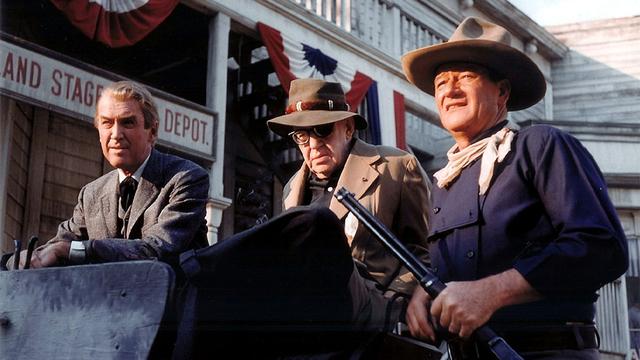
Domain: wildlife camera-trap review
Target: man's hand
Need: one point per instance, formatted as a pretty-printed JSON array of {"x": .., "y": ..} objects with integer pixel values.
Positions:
[
  {"x": 464, "y": 306},
  {"x": 418, "y": 316},
  {"x": 47, "y": 255}
]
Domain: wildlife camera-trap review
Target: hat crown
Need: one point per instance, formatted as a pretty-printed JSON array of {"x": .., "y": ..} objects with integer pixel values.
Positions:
[
  {"x": 473, "y": 28},
  {"x": 314, "y": 102},
  {"x": 313, "y": 90},
  {"x": 483, "y": 43}
]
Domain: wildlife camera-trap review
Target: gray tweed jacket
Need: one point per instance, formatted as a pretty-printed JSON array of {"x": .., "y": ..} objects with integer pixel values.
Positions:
[{"x": 167, "y": 216}]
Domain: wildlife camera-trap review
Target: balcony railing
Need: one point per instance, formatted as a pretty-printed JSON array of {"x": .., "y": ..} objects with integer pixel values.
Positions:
[
  {"x": 377, "y": 22},
  {"x": 612, "y": 319}
]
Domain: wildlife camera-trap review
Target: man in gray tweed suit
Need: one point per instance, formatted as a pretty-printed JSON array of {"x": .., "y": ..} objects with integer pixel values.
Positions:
[{"x": 151, "y": 207}]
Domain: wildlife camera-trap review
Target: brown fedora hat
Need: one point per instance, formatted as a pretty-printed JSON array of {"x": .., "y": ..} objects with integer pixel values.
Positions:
[
  {"x": 483, "y": 43},
  {"x": 314, "y": 102}
]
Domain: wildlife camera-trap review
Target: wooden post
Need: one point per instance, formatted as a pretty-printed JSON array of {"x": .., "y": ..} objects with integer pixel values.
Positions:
[{"x": 219, "y": 28}]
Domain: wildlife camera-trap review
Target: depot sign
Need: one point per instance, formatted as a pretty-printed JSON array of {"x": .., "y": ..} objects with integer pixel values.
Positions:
[{"x": 34, "y": 77}]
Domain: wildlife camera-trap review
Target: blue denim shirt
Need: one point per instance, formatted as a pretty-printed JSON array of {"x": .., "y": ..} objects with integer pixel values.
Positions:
[{"x": 547, "y": 214}]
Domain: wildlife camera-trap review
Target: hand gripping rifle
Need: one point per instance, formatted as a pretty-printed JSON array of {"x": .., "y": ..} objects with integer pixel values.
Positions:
[{"x": 428, "y": 280}]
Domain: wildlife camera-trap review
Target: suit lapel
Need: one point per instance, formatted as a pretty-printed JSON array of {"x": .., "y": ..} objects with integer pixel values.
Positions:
[
  {"x": 358, "y": 174},
  {"x": 147, "y": 191},
  {"x": 109, "y": 202},
  {"x": 296, "y": 188}
]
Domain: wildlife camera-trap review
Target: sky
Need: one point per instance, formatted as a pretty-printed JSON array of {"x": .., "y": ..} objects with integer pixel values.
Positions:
[{"x": 555, "y": 12}]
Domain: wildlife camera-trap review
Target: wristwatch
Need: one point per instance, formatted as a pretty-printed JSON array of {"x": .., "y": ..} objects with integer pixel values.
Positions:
[{"x": 77, "y": 252}]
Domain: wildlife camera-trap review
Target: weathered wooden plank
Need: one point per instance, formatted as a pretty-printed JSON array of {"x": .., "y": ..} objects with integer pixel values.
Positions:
[
  {"x": 56, "y": 209},
  {"x": 616, "y": 80},
  {"x": 19, "y": 157},
  {"x": 60, "y": 193},
  {"x": 12, "y": 230},
  {"x": 598, "y": 55},
  {"x": 35, "y": 180},
  {"x": 15, "y": 210},
  {"x": 14, "y": 190},
  {"x": 18, "y": 174},
  {"x": 73, "y": 129},
  {"x": 106, "y": 311},
  {"x": 49, "y": 227},
  {"x": 624, "y": 117},
  {"x": 20, "y": 139},
  {"x": 72, "y": 147},
  {"x": 60, "y": 176},
  {"x": 606, "y": 105},
  {"x": 628, "y": 66},
  {"x": 22, "y": 117},
  {"x": 74, "y": 164}
]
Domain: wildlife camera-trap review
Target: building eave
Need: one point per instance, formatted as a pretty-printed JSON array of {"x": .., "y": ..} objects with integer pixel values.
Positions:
[{"x": 523, "y": 27}]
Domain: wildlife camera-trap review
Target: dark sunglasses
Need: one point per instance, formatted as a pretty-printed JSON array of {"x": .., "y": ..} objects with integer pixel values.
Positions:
[{"x": 302, "y": 136}]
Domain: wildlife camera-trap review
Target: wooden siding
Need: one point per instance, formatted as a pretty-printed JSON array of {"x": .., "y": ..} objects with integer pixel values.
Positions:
[
  {"x": 599, "y": 80},
  {"x": 73, "y": 159},
  {"x": 51, "y": 158},
  {"x": 22, "y": 116}
]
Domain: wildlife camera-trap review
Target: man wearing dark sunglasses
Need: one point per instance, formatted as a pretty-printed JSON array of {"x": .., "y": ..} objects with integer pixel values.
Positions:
[{"x": 386, "y": 180}]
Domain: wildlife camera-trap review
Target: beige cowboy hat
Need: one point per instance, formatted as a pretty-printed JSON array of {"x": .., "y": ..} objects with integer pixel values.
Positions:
[
  {"x": 314, "y": 102},
  {"x": 483, "y": 43}
]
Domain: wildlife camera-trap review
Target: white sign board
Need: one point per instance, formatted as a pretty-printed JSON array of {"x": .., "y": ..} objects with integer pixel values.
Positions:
[{"x": 34, "y": 76}]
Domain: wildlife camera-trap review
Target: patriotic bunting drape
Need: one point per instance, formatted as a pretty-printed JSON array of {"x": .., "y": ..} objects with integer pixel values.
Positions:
[
  {"x": 399, "y": 110},
  {"x": 116, "y": 23},
  {"x": 293, "y": 60},
  {"x": 373, "y": 115}
]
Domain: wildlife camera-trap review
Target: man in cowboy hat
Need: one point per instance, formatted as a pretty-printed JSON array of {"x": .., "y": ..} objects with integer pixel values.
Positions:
[
  {"x": 387, "y": 181},
  {"x": 522, "y": 230}
]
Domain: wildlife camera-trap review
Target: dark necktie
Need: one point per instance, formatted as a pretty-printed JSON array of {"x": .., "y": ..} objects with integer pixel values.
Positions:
[{"x": 128, "y": 188}]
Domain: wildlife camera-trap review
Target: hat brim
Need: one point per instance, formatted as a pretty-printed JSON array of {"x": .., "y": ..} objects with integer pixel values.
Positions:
[
  {"x": 283, "y": 125},
  {"x": 528, "y": 85}
]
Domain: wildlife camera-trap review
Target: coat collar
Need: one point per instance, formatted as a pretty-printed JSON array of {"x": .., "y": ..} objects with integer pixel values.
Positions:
[
  {"x": 358, "y": 175},
  {"x": 109, "y": 201},
  {"x": 147, "y": 190}
]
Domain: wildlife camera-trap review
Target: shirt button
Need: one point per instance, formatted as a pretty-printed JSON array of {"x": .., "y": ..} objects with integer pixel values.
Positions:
[
  {"x": 330, "y": 189},
  {"x": 470, "y": 254},
  {"x": 435, "y": 269},
  {"x": 436, "y": 210}
]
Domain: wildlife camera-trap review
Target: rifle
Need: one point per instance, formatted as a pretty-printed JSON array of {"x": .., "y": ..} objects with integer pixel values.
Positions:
[{"x": 428, "y": 280}]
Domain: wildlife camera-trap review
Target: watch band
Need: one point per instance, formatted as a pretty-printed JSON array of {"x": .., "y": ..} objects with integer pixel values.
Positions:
[{"x": 77, "y": 252}]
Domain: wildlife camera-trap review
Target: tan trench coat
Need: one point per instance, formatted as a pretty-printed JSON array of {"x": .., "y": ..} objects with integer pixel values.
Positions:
[{"x": 393, "y": 186}]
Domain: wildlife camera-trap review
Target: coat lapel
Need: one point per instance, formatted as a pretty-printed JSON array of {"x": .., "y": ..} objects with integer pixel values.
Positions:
[
  {"x": 109, "y": 202},
  {"x": 358, "y": 175},
  {"x": 147, "y": 191},
  {"x": 296, "y": 188}
]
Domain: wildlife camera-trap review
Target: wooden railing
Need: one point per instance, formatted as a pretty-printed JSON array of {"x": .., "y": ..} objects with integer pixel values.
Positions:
[{"x": 379, "y": 23}]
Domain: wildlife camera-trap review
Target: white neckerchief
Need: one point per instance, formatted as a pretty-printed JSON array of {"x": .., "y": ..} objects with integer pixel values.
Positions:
[{"x": 493, "y": 150}]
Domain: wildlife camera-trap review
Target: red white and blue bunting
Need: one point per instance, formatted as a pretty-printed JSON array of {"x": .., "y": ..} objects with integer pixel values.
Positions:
[
  {"x": 295, "y": 60},
  {"x": 116, "y": 23}
]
